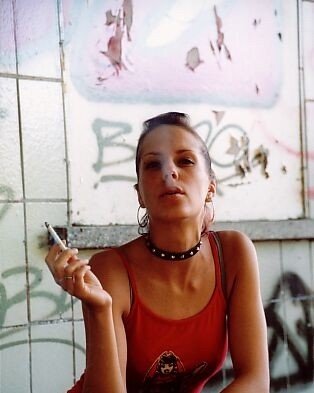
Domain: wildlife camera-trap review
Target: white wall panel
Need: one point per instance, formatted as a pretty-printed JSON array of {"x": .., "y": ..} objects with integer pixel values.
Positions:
[
  {"x": 47, "y": 300},
  {"x": 10, "y": 157},
  {"x": 43, "y": 139},
  {"x": 37, "y": 35},
  {"x": 7, "y": 41},
  {"x": 13, "y": 299},
  {"x": 308, "y": 48}
]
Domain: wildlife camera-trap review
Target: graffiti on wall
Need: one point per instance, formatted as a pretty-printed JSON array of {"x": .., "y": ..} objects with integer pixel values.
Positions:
[
  {"x": 299, "y": 335},
  {"x": 239, "y": 157},
  {"x": 283, "y": 331},
  {"x": 6, "y": 194},
  {"x": 59, "y": 304},
  {"x": 294, "y": 334}
]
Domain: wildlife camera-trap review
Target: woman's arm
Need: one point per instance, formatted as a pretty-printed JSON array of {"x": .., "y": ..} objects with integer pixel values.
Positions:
[
  {"x": 103, "y": 310},
  {"x": 103, "y": 367},
  {"x": 105, "y": 335},
  {"x": 247, "y": 331}
]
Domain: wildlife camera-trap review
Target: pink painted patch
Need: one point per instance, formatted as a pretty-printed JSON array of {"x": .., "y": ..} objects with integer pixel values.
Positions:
[{"x": 310, "y": 193}]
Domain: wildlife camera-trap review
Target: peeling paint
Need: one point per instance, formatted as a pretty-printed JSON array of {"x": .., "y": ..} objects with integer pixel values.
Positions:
[
  {"x": 128, "y": 16},
  {"x": 218, "y": 116},
  {"x": 261, "y": 157},
  {"x": 257, "y": 22},
  {"x": 193, "y": 59},
  {"x": 220, "y": 40},
  {"x": 284, "y": 169},
  {"x": 114, "y": 51}
]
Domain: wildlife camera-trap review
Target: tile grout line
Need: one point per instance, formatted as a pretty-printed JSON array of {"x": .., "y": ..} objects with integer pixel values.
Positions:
[
  {"x": 302, "y": 114},
  {"x": 34, "y": 200},
  {"x": 14, "y": 10},
  {"x": 62, "y": 71},
  {"x": 29, "y": 77},
  {"x": 41, "y": 322},
  {"x": 283, "y": 302}
]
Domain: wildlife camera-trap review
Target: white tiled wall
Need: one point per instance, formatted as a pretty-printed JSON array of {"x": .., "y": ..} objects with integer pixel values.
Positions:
[
  {"x": 7, "y": 42},
  {"x": 54, "y": 372},
  {"x": 47, "y": 300},
  {"x": 10, "y": 179},
  {"x": 37, "y": 38},
  {"x": 43, "y": 139},
  {"x": 13, "y": 267}
]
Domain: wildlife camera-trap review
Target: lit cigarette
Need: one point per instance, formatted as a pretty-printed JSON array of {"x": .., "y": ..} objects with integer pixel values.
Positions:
[{"x": 55, "y": 236}]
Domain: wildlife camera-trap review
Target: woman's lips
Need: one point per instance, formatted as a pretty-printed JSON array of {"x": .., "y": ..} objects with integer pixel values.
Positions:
[{"x": 172, "y": 191}]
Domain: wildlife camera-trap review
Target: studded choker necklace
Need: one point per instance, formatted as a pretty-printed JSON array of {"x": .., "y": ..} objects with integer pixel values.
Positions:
[{"x": 172, "y": 256}]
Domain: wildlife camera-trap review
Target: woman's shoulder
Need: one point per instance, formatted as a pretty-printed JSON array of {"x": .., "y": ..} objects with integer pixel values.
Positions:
[
  {"x": 112, "y": 258},
  {"x": 109, "y": 265},
  {"x": 235, "y": 242},
  {"x": 239, "y": 254}
]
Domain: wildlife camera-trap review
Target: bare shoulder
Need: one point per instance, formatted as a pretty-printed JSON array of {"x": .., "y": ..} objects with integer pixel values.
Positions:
[
  {"x": 239, "y": 254},
  {"x": 109, "y": 268},
  {"x": 236, "y": 242},
  {"x": 106, "y": 262}
]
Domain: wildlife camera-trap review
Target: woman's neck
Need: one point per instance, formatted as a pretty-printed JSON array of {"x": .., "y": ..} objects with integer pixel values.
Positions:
[{"x": 176, "y": 237}]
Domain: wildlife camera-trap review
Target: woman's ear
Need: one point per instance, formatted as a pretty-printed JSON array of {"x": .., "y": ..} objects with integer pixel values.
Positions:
[
  {"x": 139, "y": 198},
  {"x": 211, "y": 191}
]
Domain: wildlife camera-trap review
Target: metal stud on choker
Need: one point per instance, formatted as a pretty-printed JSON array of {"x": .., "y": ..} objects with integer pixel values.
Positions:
[{"x": 172, "y": 256}]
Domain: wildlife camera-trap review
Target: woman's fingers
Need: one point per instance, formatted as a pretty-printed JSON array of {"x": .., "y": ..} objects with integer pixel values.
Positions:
[
  {"x": 75, "y": 284},
  {"x": 73, "y": 266},
  {"x": 58, "y": 261},
  {"x": 74, "y": 275}
]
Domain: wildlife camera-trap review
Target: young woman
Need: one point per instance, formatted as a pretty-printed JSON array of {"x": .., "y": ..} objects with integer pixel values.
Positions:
[{"x": 160, "y": 309}]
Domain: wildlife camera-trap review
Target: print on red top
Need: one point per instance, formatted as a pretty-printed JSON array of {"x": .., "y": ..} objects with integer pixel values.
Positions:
[{"x": 168, "y": 375}]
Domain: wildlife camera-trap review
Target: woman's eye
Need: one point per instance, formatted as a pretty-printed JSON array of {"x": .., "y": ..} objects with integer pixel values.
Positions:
[
  {"x": 152, "y": 165},
  {"x": 187, "y": 161}
]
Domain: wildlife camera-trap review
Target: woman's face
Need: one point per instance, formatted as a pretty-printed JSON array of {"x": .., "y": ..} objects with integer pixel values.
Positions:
[{"x": 173, "y": 178}]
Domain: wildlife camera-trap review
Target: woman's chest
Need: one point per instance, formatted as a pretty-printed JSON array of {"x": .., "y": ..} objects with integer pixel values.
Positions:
[{"x": 175, "y": 299}]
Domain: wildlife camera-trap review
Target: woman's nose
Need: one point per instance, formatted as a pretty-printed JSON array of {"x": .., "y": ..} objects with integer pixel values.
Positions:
[{"x": 170, "y": 172}]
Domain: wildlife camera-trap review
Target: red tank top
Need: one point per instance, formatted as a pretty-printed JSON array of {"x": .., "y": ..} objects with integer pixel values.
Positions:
[{"x": 180, "y": 356}]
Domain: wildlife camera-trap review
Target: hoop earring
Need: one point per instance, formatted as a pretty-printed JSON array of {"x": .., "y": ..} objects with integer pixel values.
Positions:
[
  {"x": 143, "y": 222},
  {"x": 213, "y": 210}
]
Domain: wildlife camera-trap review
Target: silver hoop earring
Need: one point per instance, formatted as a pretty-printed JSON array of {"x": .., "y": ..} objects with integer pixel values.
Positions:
[
  {"x": 213, "y": 211},
  {"x": 143, "y": 222}
]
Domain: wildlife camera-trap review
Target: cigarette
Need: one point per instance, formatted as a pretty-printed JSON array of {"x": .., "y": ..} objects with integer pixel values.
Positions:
[{"x": 55, "y": 236}]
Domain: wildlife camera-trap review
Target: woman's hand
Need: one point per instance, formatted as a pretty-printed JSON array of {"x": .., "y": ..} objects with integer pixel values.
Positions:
[{"x": 74, "y": 275}]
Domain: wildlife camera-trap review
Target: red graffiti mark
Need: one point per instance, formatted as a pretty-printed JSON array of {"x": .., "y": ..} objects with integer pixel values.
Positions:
[
  {"x": 309, "y": 154},
  {"x": 310, "y": 193},
  {"x": 284, "y": 146}
]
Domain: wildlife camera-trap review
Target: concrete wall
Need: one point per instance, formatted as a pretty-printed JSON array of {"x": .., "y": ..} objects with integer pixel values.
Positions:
[{"x": 69, "y": 120}]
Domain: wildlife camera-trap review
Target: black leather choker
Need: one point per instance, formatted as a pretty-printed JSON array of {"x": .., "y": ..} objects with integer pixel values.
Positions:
[{"x": 172, "y": 256}]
